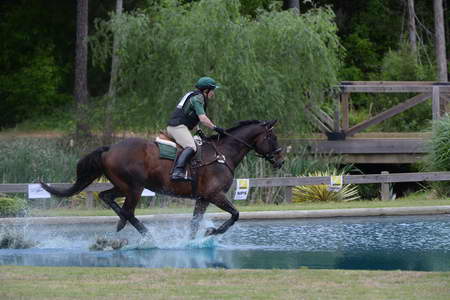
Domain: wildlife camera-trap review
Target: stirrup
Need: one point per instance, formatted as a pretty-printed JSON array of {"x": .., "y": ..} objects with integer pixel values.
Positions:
[{"x": 180, "y": 176}]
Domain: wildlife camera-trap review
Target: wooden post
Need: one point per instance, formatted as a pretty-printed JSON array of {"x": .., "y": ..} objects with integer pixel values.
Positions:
[
  {"x": 385, "y": 192},
  {"x": 337, "y": 108},
  {"x": 344, "y": 110},
  {"x": 436, "y": 103},
  {"x": 90, "y": 200},
  {"x": 288, "y": 194}
]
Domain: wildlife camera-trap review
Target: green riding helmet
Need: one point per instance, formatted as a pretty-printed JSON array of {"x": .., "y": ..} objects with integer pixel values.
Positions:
[{"x": 206, "y": 83}]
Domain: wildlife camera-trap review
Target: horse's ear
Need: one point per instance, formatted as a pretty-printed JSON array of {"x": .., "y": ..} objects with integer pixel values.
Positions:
[{"x": 270, "y": 124}]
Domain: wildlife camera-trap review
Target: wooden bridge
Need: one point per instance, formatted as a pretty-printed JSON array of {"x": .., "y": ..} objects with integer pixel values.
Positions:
[{"x": 379, "y": 148}]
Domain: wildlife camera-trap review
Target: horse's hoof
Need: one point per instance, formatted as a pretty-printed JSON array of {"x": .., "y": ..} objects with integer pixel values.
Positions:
[
  {"x": 121, "y": 224},
  {"x": 210, "y": 231}
]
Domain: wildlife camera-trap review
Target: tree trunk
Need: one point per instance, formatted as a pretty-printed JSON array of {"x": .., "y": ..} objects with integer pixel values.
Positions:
[
  {"x": 292, "y": 4},
  {"x": 109, "y": 121},
  {"x": 441, "y": 59},
  {"x": 81, "y": 52},
  {"x": 412, "y": 26}
]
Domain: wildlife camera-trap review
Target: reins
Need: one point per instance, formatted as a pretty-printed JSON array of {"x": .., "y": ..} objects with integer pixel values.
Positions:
[
  {"x": 220, "y": 158},
  {"x": 239, "y": 140},
  {"x": 267, "y": 156}
]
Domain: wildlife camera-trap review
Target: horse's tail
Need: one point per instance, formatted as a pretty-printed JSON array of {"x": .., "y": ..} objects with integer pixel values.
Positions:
[{"x": 89, "y": 168}]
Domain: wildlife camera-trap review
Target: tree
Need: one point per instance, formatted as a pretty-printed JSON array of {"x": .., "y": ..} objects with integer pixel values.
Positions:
[
  {"x": 109, "y": 120},
  {"x": 292, "y": 4},
  {"x": 34, "y": 62},
  {"x": 412, "y": 26},
  {"x": 81, "y": 53},
  {"x": 440, "y": 41},
  {"x": 258, "y": 64}
]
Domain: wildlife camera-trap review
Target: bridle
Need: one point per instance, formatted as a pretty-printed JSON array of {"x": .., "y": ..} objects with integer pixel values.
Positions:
[{"x": 270, "y": 157}]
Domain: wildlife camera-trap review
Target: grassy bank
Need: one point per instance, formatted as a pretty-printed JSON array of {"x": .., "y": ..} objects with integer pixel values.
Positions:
[
  {"x": 133, "y": 283},
  {"x": 418, "y": 200}
]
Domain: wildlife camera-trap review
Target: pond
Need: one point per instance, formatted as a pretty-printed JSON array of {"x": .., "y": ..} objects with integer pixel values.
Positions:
[{"x": 419, "y": 243}]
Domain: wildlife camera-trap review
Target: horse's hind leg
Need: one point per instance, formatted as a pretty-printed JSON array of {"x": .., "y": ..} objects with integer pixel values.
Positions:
[
  {"x": 199, "y": 211},
  {"x": 221, "y": 201},
  {"x": 132, "y": 199},
  {"x": 127, "y": 212},
  {"x": 108, "y": 197}
]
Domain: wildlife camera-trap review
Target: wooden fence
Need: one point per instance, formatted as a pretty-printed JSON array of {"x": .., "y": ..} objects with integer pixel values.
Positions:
[
  {"x": 384, "y": 179},
  {"x": 336, "y": 127}
]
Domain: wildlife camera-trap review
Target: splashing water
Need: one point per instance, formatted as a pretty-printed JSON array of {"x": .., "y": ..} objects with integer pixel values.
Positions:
[
  {"x": 406, "y": 243},
  {"x": 161, "y": 235}
]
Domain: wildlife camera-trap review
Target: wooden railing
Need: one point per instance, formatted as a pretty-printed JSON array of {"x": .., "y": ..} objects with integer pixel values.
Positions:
[
  {"x": 288, "y": 182},
  {"x": 337, "y": 127}
]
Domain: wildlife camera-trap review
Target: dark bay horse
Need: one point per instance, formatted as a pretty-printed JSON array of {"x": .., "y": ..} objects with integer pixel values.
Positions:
[{"x": 134, "y": 164}]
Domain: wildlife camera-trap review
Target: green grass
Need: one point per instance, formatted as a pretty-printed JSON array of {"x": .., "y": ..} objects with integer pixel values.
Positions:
[
  {"x": 415, "y": 200},
  {"x": 135, "y": 283}
]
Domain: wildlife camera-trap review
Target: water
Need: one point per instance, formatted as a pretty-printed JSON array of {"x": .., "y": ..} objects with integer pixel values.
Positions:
[{"x": 373, "y": 243}]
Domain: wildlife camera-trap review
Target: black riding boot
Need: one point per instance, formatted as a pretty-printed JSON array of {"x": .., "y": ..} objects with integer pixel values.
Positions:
[{"x": 179, "y": 171}]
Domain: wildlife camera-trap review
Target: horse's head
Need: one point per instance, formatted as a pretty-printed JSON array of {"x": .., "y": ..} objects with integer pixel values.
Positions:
[{"x": 266, "y": 145}]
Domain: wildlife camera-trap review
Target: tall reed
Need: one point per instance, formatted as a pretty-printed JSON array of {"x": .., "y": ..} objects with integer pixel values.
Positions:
[
  {"x": 438, "y": 158},
  {"x": 26, "y": 160}
]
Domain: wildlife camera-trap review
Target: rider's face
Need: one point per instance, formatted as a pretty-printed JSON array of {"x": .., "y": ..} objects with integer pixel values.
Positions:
[{"x": 210, "y": 94}]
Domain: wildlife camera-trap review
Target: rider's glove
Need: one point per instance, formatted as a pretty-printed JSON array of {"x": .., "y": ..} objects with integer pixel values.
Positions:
[{"x": 219, "y": 130}]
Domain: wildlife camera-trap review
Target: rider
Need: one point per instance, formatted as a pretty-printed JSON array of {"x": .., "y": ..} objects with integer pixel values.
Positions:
[{"x": 189, "y": 112}]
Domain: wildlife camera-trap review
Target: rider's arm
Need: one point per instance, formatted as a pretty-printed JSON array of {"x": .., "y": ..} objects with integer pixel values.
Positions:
[
  {"x": 206, "y": 121},
  {"x": 200, "y": 111}
]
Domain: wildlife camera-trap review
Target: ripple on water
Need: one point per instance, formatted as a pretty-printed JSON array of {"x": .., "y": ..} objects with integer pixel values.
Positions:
[{"x": 410, "y": 243}]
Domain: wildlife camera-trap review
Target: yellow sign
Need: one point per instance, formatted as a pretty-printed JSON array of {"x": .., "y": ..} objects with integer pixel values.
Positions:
[
  {"x": 335, "y": 183},
  {"x": 243, "y": 183},
  {"x": 242, "y": 188}
]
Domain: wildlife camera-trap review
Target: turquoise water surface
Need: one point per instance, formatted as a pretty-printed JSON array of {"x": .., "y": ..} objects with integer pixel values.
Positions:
[{"x": 371, "y": 243}]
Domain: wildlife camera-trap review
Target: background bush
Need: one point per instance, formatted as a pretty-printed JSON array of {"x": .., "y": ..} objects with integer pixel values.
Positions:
[
  {"x": 438, "y": 158},
  {"x": 12, "y": 207},
  {"x": 26, "y": 160}
]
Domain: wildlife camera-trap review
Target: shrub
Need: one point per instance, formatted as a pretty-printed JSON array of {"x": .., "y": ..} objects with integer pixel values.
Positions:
[
  {"x": 12, "y": 207},
  {"x": 321, "y": 193},
  {"x": 438, "y": 158},
  {"x": 25, "y": 160},
  {"x": 296, "y": 164}
]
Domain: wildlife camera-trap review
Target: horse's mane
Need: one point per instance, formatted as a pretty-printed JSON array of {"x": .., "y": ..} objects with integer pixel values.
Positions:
[
  {"x": 237, "y": 126},
  {"x": 243, "y": 123}
]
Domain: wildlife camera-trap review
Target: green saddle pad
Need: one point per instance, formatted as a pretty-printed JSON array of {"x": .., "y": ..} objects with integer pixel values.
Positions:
[{"x": 167, "y": 149}]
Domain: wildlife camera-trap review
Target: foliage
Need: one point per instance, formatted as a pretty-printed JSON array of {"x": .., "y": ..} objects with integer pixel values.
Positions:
[
  {"x": 321, "y": 193},
  {"x": 296, "y": 164},
  {"x": 56, "y": 120},
  {"x": 33, "y": 60},
  {"x": 280, "y": 59},
  {"x": 38, "y": 37},
  {"x": 399, "y": 65},
  {"x": 27, "y": 160},
  {"x": 31, "y": 90},
  {"x": 12, "y": 207},
  {"x": 438, "y": 158}
]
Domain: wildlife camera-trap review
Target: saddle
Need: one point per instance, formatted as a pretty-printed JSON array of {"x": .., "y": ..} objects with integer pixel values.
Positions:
[
  {"x": 164, "y": 136},
  {"x": 169, "y": 148}
]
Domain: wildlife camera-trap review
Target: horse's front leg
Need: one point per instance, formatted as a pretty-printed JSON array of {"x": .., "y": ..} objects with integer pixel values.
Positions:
[
  {"x": 221, "y": 201},
  {"x": 199, "y": 211}
]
